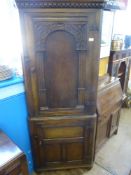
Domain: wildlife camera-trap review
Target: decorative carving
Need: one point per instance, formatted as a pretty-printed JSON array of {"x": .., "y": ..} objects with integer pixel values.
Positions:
[
  {"x": 43, "y": 29},
  {"x": 110, "y": 4}
]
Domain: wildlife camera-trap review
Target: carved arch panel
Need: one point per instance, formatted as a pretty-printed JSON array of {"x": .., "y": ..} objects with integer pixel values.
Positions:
[
  {"x": 61, "y": 50},
  {"x": 61, "y": 70},
  {"x": 78, "y": 30}
]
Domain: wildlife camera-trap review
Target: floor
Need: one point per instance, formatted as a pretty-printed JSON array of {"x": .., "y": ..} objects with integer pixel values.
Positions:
[{"x": 115, "y": 156}]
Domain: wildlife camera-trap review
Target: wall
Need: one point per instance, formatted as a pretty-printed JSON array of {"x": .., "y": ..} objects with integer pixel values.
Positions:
[
  {"x": 121, "y": 22},
  {"x": 14, "y": 118}
]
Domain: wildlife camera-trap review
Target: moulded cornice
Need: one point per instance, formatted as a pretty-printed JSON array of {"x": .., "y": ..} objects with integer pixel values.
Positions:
[{"x": 70, "y": 4}]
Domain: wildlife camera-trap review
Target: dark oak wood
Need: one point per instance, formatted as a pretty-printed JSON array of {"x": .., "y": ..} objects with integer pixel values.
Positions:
[
  {"x": 102, "y": 132},
  {"x": 12, "y": 159},
  {"x": 109, "y": 103},
  {"x": 62, "y": 74},
  {"x": 63, "y": 142}
]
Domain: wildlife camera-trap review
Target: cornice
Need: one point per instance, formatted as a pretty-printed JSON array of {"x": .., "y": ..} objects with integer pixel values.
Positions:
[{"x": 26, "y": 4}]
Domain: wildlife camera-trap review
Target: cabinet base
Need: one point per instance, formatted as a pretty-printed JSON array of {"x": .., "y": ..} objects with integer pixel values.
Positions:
[{"x": 63, "y": 142}]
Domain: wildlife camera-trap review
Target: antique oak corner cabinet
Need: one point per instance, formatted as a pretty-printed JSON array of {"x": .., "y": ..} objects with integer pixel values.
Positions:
[{"x": 61, "y": 43}]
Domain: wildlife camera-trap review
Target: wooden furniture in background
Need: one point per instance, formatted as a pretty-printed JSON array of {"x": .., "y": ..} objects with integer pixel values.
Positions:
[
  {"x": 12, "y": 159},
  {"x": 61, "y": 43},
  {"x": 109, "y": 101},
  {"x": 119, "y": 66}
]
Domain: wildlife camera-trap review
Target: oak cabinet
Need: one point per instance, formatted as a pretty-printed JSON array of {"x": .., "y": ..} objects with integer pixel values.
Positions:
[
  {"x": 61, "y": 50},
  {"x": 61, "y": 72}
]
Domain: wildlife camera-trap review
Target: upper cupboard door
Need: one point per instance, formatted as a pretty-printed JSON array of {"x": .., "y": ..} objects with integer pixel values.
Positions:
[
  {"x": 58, "y": 47},
  {"x": 62, "y": 63},
  {"x": 61, "y": 70}
]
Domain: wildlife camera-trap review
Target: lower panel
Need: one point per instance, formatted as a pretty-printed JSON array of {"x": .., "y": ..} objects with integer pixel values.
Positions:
[
  {"x": 107, "y": 127},
  {"x": 63, "y": 142},
  {"x": 102, "y": 132}
]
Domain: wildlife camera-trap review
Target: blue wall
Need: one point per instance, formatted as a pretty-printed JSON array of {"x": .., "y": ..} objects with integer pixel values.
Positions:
[{"x": 14, "y": 122}]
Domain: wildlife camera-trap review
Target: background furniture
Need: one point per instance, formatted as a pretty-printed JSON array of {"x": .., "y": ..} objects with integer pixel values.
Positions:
[
  {"x": 61, "y": 43},
  {"x": 12, "y": 159},
  {"x": 119, "y": 66},
  {"x": 109, "y": 101}
]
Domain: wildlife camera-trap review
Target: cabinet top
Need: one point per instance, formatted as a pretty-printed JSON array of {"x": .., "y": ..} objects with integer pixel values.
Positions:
[{"x": 95, "y": 4}]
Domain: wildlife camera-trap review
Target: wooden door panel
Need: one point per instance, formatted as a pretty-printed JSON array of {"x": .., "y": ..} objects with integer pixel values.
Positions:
[
  {"x": 61, "y": 53},
  {"x": 61, "y": 153},
  {"x": 63, "y": 132},
  {"x": 61, "y": 42},
  {"x": 74, "y": 151},
  {"x": 52, "y": 152},
  {"x": 63, "y": 141},
  {"x": 61, "y": 70}
]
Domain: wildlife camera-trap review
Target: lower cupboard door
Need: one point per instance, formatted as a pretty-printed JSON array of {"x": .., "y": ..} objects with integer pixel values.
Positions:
[
  {"x": 102, "y": 133},
  {"x": 63, "y": 154},
  {"x": 63, "y": 143}
]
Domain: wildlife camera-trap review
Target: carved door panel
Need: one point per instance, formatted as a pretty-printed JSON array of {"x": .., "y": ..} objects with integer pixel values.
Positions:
[
  {"x": 56, "y": 154},
  {"x": 58, "y": 47},
  {"x": 61, "y": 62}
]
